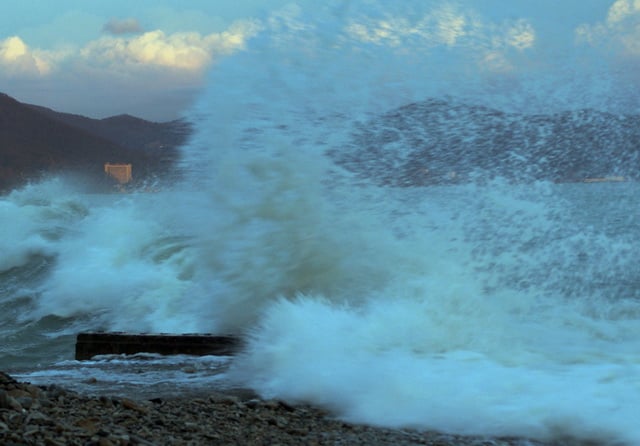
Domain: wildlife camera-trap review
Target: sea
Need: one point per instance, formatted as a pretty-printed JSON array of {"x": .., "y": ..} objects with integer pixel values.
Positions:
[{"x": 477, "y": 294}]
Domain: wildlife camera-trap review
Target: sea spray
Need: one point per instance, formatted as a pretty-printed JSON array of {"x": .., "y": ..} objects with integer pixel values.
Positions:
[
  {"x": 500, "y": 344},
  {"x": 487, "y": 306},
  {"x": 486, "y": 326},
  {"x": 34, "y": 218}
]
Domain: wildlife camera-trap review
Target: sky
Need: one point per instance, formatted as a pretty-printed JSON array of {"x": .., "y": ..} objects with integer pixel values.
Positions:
[{"x": 150, "y": 58}]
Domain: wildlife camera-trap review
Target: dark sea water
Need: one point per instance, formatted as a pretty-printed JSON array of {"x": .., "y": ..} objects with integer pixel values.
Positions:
[{"x": 479, "y": 293}]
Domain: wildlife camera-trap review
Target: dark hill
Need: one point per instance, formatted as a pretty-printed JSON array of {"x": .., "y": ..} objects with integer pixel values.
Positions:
[
  {"x": 126, "y": 130},
  {"x": 35, "y": 141},
  {"x": 442, "y": 141}
]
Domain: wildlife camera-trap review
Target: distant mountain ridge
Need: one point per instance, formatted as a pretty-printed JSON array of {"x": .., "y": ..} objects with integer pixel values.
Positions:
[
  {"x": 434, "y": 141},
  {"x": 439, "y": 141},
  {"x": 126, "y": 130},
  {"x": 35, "y": 141}
]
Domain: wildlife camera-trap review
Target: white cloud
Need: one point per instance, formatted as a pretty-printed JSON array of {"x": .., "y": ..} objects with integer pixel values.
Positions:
[
  {"x": 490, "y": 44},
  {"x": 17, "y": 59},
  {"x": 444, "y": 26},
  {"x": 521, "y": 35},
  {"x": 119, "y": 73},
  {"x": 155, "y": 48},
  {"x": 189, "y": 51},
  {"x": 381, "y": 32},
  {"x": 186, "y": 51},
  {"x": 620, "y": 29},
  {"x": 496, "y": 61},
  {"x": 450, "y": 25},
  {"x": 622, "y": 9}
]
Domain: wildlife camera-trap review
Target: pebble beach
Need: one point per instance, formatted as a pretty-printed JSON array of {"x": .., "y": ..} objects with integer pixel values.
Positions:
[{"x": 54, "y": 416}]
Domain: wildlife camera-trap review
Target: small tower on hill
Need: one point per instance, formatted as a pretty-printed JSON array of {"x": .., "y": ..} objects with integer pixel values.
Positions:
[{"x": 121, "y": 172}]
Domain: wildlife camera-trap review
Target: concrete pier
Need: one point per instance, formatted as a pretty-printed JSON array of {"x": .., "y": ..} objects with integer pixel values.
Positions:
[{"x": 91, "y": 344}]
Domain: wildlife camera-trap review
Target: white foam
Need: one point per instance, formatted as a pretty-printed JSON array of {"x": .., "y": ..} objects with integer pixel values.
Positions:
[
  {"x": 33, "y": 218},
  {"x": 461, "y": 308}
]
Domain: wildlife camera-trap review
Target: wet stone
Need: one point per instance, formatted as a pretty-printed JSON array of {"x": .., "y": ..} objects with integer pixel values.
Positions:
[
  {"x": 4, "y": 399},
  {"x": 37, "y": 417},
  {"x": 130, "y": 404},
  {"x": 13, "y": 404},
  {"x": 18, "y": 393},
  {"x": 68, "y": 418},
  {"x": 34, "y": 391},
  {"x": 25, "y": 401}
]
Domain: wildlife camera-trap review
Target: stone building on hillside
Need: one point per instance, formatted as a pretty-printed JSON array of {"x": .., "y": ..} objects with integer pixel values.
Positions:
[{"x": 121, "y": 172}]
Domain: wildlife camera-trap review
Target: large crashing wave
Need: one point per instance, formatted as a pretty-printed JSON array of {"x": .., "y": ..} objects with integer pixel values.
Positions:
[{"x": 469, "y": 306}]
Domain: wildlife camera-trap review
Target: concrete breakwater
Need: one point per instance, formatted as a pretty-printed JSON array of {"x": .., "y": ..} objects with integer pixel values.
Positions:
[{"x": 90, "y": 344}]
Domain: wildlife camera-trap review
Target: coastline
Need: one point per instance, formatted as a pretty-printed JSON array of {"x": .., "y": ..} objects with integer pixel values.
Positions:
[{"x": 53, "y": 416}]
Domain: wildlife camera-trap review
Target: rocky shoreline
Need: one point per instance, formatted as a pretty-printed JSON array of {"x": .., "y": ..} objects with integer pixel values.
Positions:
[{"x": 53, "y": 416}]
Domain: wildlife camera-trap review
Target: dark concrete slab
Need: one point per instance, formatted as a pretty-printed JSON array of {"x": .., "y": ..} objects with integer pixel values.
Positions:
[{"x": 90, "y": 344}]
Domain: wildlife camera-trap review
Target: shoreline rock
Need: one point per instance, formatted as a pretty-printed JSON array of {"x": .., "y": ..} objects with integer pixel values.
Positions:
[{"x": 53, "y": 416}]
